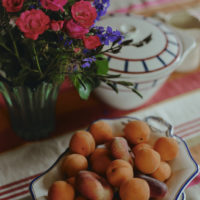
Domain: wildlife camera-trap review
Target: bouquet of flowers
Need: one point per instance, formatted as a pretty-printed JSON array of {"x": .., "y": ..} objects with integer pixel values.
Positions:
[{"x": 49, "y": 40}]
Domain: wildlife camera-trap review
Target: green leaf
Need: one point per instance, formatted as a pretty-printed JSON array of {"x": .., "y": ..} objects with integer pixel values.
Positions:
[
  {"x": 84, "y": 89},
  {"x": 102, "y": 65}
]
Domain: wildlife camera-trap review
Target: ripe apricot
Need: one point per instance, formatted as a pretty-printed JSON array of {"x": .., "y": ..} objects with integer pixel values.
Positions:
[
  {"x": 167, "y": 148},
  {"x": 139, "y": 146},
  {"x": 80, "y": 198},
  {"x": 71, "y": 181},
  {"x": 134, "y": 189},
  {"x": 73, "y": 163},
  {"x": 82, "y": 142},
  {"x": 147, "y": 160},
  {"x": 99, "y": 160},
  {"x": 101, "y": 131},
  {"x": 118, "y": 171},
  {"x": 137, "y": 132},
  {"x": 163, "y": 172},
  {"x": 61, "y": 190}
]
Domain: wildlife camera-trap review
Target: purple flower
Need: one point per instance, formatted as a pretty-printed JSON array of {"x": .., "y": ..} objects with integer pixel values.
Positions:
[
  {"x": 101, "y": 7},
  {"x": 108, "y": 35},
  {"x": 88, "y": 61}
]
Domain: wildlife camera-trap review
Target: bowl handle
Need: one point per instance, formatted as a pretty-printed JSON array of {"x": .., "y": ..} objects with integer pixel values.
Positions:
[{"x": 158, "y": 121}]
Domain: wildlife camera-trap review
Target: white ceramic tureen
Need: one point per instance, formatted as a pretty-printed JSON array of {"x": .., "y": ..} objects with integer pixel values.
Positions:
[{"x": 156, "y": 51}]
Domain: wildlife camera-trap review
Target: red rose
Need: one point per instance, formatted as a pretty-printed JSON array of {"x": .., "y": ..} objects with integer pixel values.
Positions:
[
  {"x": 56, "y": 25},
  {"x": 54, "y": 5},
  {"x": 83, "y": 13},
  {"x": 12, "y": 5},
  {"x": 91, "y": 42},
  {"x": 75, "y": 30},
  {"x": 33, "y": 23}
]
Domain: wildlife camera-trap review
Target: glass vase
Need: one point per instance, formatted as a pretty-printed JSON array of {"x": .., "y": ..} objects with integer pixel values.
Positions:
[{"x": 31, "y": 110}]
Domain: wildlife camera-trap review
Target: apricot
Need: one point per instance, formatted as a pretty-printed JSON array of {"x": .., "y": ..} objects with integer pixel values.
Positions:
[
  {"x": 134, "y": 189},
  {"x": 73, "y": 163},
  {"x": 147, "y": 160},
  {"x": 137, "y": 132},
  {"x": 71, "y": 181},
  {"x": 101, "y": 131},
  {"x": 80, "y": 198},
  {"x": 99, "y": 160},
  {"x": 167, "y": 147},
  {"x": 61, "y": 190},
  {"x": 82, "y": 142},
  {"x": 140, "y": 146},
  {"x": 163, "y": 172},
  {"x": 118, "y": 171}
]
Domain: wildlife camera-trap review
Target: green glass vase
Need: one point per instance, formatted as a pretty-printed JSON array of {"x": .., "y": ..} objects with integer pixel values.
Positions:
[{"x": 31, "y": 110}]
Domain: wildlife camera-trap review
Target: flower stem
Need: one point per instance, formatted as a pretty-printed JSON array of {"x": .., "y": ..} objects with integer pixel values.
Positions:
[{"x": 36, "y": 58}]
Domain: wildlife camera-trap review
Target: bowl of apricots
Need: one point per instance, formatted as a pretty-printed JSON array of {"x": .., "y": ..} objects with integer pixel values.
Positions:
[{"x": 120, "y": 159}]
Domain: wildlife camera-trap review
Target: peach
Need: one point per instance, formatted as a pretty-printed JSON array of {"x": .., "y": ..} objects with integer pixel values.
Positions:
[
  {"x": 73, "y": 163},
  {"x": 119, "y": 149},
  {"x": 61, "y": 190},
  {"x": 137, "y": 132},
  {"x": 167, "y": 148},
  {"x": 134, "y": 189},
  {"x": 147, "y": 160},
  {"x": 92, "y": 186},
  {"x": 99, "y": 160},
  {"x": 119, "y": 171},
  {"x": 163, "y": 172},
  {"x": 101, "y": 131},
  {"x": 82, "y": 142}
]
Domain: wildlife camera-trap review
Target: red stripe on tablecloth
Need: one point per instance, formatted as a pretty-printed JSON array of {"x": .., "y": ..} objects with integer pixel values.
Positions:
[
  {"x": 195, "y": 181},
  {"x": 190, "y": 133},
  {"x": 19, "y": 181},
  {"x": 15, "y": 195},
  {"x": 186, "y": 123},
  {"x": 139, "y": 6},
  {"x": 15, "y": 189}
]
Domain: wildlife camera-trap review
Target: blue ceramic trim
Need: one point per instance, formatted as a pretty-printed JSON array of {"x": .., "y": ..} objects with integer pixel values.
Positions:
[
  {"x": 171, "y": 53},
  {"x": 174, "y": 43},
  {"x": 32, "y": 182},
  {"x": 145, "y": 66},
  {"x": 193, "y": 175},
  {"x": 131, "y": 118},
  {"x": 161, "y": 60},
  {"x": 126, "y": 66}
]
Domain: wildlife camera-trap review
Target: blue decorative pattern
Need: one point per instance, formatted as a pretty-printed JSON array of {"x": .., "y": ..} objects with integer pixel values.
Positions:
[
  {"x": 151, "y": 63},
  {"x": 126, "y": 66},
  {"x": 145, "y": 66},
  {"x": 161, "y": 60}
]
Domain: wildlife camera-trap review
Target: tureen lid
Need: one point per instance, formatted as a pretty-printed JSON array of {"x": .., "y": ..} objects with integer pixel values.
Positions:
[{"x": 155, "y": 47}]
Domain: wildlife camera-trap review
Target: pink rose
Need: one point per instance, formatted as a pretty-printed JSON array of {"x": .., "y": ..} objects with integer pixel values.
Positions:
[
  {"x": 91, "y": 42},
  {"x": 75, "y": 30},
  {"x": 54, "y": 5},
  {"x": 33, "y": 23},
  {"x": 83, "y": 13},
  {"x": 56, "y": 25},
  {"x": 12, "y": 5}
]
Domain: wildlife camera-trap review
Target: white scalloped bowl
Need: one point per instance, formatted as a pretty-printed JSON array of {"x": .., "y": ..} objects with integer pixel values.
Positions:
[{"x": 184, "y": 168}]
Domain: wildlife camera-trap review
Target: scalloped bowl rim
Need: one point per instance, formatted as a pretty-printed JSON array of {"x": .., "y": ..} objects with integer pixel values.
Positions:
[{"x": 180, "y": 191}]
